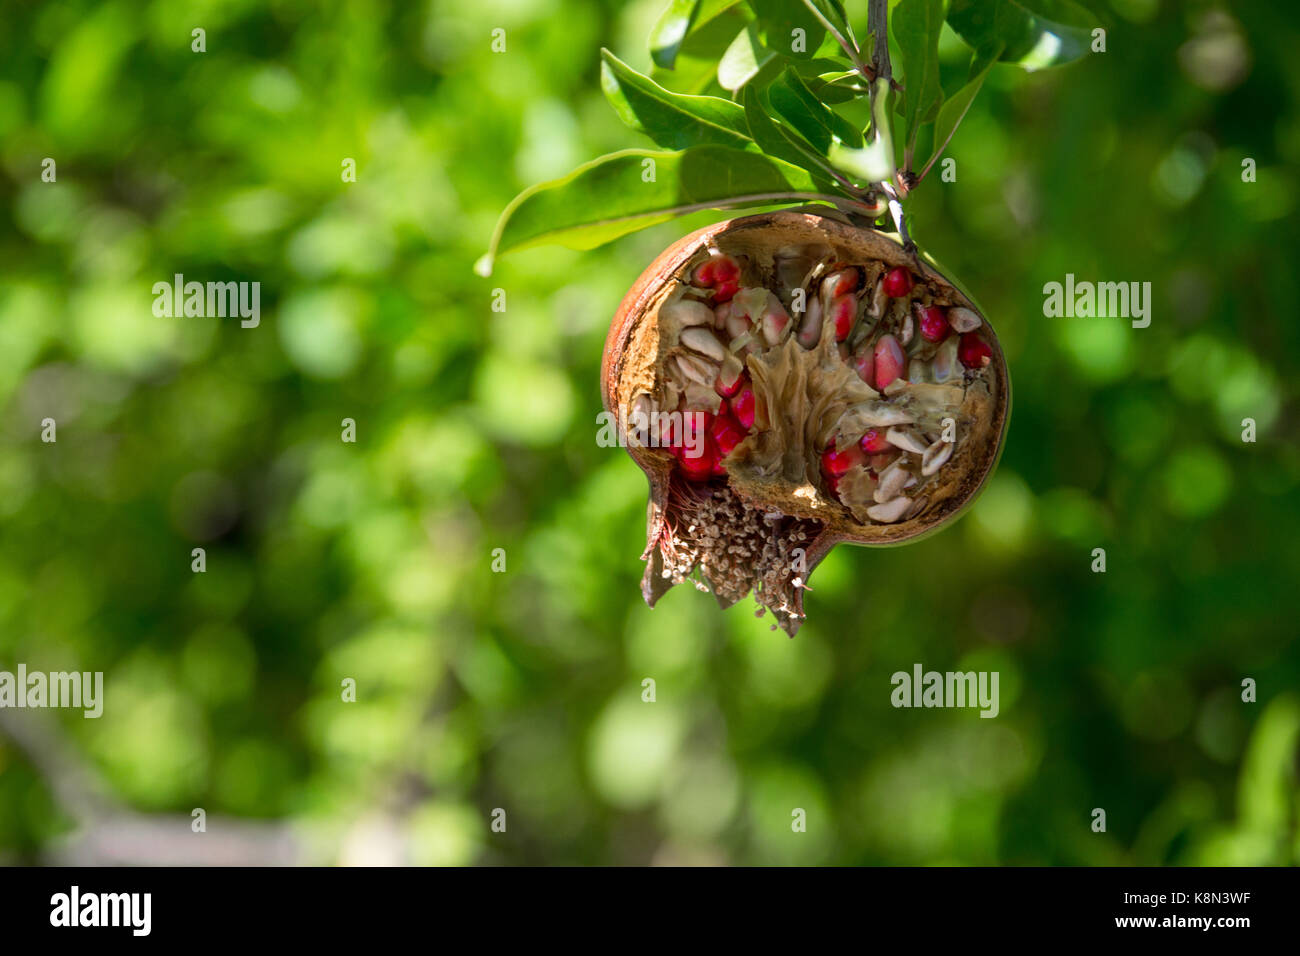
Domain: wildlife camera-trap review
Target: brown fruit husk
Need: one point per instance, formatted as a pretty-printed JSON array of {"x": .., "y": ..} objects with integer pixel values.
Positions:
[{"x": 768, "y": 523}]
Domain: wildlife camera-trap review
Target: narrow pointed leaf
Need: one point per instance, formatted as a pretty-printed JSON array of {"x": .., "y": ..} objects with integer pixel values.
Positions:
[
  {"x": 695, "y": 70},
  {"x": 744, "y": 60},
  {"x": 837, "y": 86},
  {"x": 667, "y": 35},
  {"x": 679, "y": 21},
  {"x": 872, "y": 164},
  {"x": 630, "y": 190},
  {"x": 954, "y": 110},
  {"x": 1034, "y": 34},
  {"x": 916, "y": 25},
  {"x": 775, "y": 139},
  {"x": 875, "y": 161},
  {"x": 672, "y": 120},
  {"x": 785, "y": 26},
  {"x": 797, "y": 105}
]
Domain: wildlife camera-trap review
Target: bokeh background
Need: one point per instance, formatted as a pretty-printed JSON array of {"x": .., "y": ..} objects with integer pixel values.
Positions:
[{"x": 476, "y": 430}]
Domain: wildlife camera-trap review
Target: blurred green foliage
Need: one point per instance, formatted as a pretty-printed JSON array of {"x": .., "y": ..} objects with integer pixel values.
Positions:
[{"x": 522, "y": 690}]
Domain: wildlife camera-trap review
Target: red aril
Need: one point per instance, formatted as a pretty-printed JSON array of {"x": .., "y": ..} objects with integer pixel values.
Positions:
[
  {"x": 726, "y": 434},
  {"x": 891, "y": 363},
  {"x": 742, "y": 406},
  {"x": 897, "y": 282},
  {"x": 701, "y": 467},
  {"x": 874, "y": 442},
  {"x": 934, "y": 324},
  {"x": 844, "y": 310},
  {"x": 864, "y": 363},
  {"x": 840, "y": 283},
  {"x": 973, "y": 351},
  {"x": 837, "y": 463}
]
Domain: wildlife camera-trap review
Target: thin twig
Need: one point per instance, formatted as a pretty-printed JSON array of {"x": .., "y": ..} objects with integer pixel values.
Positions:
[{"x": 850, "y": 48}]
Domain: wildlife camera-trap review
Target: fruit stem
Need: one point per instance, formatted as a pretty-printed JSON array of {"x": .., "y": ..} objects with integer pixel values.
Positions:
[{"x": 899, "y": 217}]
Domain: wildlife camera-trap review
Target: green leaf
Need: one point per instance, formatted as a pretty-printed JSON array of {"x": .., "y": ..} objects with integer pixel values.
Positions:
[
  {"x": 1034, "y": 34},
  {"x": 744, "y": 60},
  {"x": 679, "y": 21},
  {"x": 779, "y": 19},
  {"x": 819, "y": 124},
  {"x": 612, "y": 196},
  {"x": 875, "y": 161},
  {"x": 872, "y": 164},
  {"x": 696, "y": 68},
  {"x": 954, "y": 110},
  {"x": 828, "y": 65},
  {"x": 916, "y": 25},
  {"x": 775, "y": 139},
  {"x": 672, "y": 120},
  {"x": 836, "y": 86},
  {"x": 667, "y": 35}
]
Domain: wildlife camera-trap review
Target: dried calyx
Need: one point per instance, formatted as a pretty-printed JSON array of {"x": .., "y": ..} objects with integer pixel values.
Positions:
[{"x": 789, "y": 381}]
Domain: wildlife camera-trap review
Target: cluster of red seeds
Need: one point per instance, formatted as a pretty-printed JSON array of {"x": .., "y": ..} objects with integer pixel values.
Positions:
[
  {"x": 715, "y": 436},
  {"x": 704, "y": 438},
  {"x": 881, "y": 366}
]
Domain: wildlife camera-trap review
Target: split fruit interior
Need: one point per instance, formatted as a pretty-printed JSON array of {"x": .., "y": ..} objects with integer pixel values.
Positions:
[{"x": 789, "y": 381}]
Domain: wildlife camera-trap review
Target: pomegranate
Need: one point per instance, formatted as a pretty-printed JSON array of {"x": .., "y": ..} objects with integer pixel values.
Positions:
[{"x": 788, "y": 337}]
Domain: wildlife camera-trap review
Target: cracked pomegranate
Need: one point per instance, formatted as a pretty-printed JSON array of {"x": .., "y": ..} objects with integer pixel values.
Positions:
[{"x": 769, "y": 378}]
